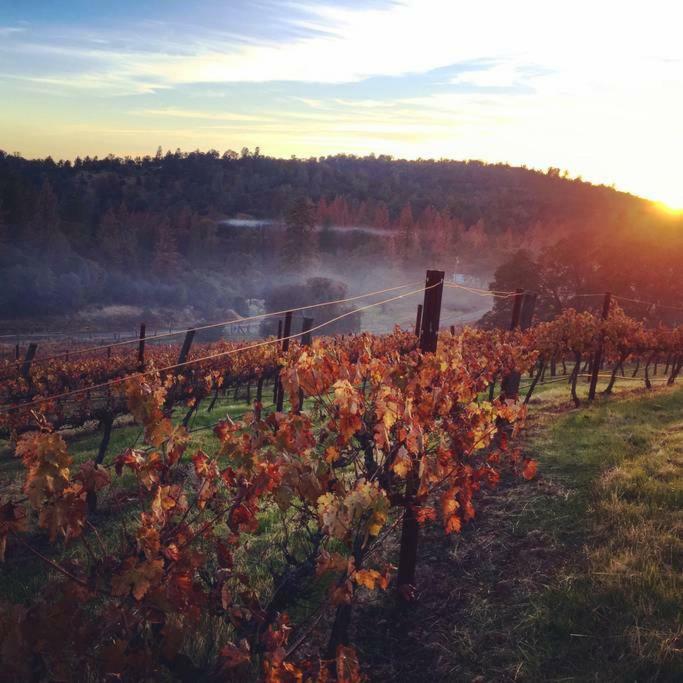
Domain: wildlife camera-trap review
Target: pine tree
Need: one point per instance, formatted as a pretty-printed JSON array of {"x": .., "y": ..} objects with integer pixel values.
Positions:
[
  {"x": 4, "y": 236},
  {"x": 165, "y": 258},
  {"x": 406, "y": 226},
  {"x": 299, "y": 221},
  {"x": 45, "y": 221},
  {"x": 381, "y": 218}
]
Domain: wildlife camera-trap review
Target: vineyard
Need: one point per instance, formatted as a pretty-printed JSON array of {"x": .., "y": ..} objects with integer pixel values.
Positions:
[{"x": 234, "y": 544}]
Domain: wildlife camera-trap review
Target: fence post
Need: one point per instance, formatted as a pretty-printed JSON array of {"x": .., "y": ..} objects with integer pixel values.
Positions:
[
  {"x": 182, "y": 357},
  {"x": 418, "y": 321},
  {"x": 306, "y": 329},
  {"x": 509, "y": 384},
  {"x": 431, "y": 310},
  {"x": 277, "y": 371},
  {"x": 16, "y": 352},
  {"x": 516, "y": 308},
  {"x": 185, "y": 350},
  {"x": 286, "y": 332},
  {"x": 141, "y": 348},
  {"x": 431, "y": 316},
  {"x": 28, "y": 359},
  {"x": 597, "y": 361},
  {"x": 305, "y": 341}
]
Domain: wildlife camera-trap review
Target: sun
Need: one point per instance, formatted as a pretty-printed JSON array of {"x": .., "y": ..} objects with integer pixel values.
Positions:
[{"x": 670, "y": 208}]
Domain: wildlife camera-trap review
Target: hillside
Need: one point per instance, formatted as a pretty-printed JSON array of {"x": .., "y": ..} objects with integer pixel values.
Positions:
[{"x": 151, "y": 232}]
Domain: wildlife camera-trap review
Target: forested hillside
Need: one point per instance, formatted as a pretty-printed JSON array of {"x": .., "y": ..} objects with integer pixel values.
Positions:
[{"x": 150, "y": 231}]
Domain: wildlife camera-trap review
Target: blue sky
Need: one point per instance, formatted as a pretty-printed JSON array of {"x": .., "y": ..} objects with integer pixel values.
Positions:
[{"x": 593, "y": 87}]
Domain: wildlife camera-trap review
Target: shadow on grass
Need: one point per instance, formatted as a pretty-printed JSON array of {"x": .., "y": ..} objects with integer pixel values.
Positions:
[{"x": 575, "y": 576}]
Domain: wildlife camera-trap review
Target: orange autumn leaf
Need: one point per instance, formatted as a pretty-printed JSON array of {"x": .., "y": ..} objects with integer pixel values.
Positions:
[
  {"x": 424, "y": 514},
  {"x": 137, "y": 577},
  {"x": 371, "y": 579},
  {"x": 530, "y": 469}
]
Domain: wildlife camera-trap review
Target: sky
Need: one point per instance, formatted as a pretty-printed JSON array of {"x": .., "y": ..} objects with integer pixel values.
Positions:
[{"x": 594, "y": 87}]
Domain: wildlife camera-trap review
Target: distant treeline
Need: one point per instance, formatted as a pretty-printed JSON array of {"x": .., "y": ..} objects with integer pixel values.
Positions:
[
  {"x": 501, "y": 196},
  {"x": 146, "y": 231}
]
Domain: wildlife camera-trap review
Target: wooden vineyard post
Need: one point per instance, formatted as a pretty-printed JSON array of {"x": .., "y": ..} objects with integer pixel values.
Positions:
[
  {"x": 185, "y": 350},
  {"x": 431, "y": 316},
  {"x": 141, "y": 348},
  {"x": 275, "y": 380},
  {"x": 305, "y": 341},
  {"x": 306, "y": 331},
  {"x": 418, "y": 321},
  {"x": 182, "y": 358},
  {"x": 452, "y": 330},
  {"x": 431, "y": 311},
  {"x": 28, "y": 359},
  {"x": 597, "y": 361},
  {"x": 286, "y": 332},
  {"x": 16, "y": 352},
  {"x": 509, "y": 386}
]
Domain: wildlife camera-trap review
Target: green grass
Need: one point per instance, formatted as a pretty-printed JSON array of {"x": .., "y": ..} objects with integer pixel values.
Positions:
[
  {"x": 614, "y": 613},
  {"x": 22, "y": 575},
  {"x": 575, "y": 576}
]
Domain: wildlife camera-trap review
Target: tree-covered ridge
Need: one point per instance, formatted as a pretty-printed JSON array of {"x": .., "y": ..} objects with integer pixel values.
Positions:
[
  {"x": 501, "y": 195},
  {"x": 149, "y": 232}
]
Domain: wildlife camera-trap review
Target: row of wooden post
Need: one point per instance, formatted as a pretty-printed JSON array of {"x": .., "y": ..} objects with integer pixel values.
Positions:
[
  {"x": 426, "y": 329},
  {"x": 522, "y": 316}
]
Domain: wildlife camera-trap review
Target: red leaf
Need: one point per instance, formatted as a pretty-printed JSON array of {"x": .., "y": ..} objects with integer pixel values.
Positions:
[{"x": 530, "y": 467}]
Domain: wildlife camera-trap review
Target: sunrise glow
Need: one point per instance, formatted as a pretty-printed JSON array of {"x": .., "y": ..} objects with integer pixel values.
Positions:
[
  {"x": 341, "y": 340},
  {"x": 596, "y": 89}
]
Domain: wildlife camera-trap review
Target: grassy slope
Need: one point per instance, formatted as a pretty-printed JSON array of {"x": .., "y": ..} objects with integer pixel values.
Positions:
[
  {"x": 573, "y": 577},
  {"x": 614, "y": 614}
]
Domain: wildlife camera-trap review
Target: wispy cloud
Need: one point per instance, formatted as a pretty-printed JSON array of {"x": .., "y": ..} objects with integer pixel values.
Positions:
[
  {"x": 6, "y": 31},
  {"x": 345, "y": 45},
  {"x": 593, "y": 86},
  {"x": 190, "y": 114}
]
